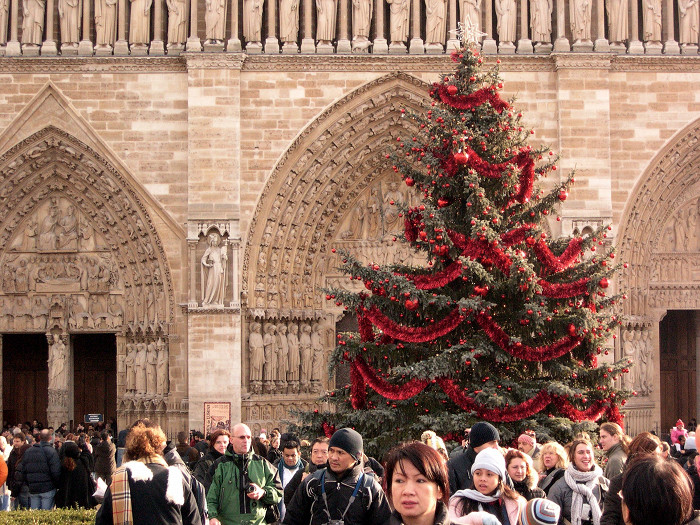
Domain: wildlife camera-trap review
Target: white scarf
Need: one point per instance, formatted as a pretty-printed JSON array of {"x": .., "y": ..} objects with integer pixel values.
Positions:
[
  {"x": 477, "y": 496},
  {"x": 582, "y": 484}
]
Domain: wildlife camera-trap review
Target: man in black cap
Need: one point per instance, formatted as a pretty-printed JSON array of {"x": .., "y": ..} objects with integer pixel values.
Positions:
[
  {"x": 482, "y": 435},
  {"x": 341, "y": 492}
]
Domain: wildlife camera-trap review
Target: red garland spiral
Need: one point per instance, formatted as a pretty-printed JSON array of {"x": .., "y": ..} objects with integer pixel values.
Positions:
[
  {"x": 414, "y": 334},
  {"x": 485, "y": 94}
]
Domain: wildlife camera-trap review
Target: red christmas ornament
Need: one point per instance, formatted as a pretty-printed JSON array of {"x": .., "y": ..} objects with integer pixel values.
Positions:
[
  {"x": 604, "y": 283},
  {"x": 452, "y": 90},
  {"x": 442, "y": 203},
  {"x": 409, "y": 181},
  {"x": 563, "y": 195},
  {"x": 461, "y": 158},
  {"x": 411, "y": 304}
]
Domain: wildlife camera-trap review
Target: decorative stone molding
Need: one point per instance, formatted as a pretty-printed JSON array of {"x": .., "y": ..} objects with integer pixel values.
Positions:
[
  {"x": 581, "y": 61},
  {"x": 93, "y": 65},
  {"x": 214, "y": 60}
]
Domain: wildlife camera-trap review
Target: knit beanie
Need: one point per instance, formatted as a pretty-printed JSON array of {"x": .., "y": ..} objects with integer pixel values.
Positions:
[
  {"x": 540, "y": 511},
  {"x": 679, "y": 423},
  {"x": 490, "y": 459},
  {"x": 348, "y": 440},
  {"x": 527, "y": 439},
  {"x": 481, "y": 433}
]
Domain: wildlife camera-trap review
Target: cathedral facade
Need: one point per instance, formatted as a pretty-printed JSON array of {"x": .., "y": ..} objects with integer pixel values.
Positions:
[{"x": 174, "y": 177}]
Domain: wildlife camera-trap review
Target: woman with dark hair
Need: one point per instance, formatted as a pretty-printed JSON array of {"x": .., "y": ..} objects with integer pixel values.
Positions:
[
  {"x": 417, "y": 485},
  {"x": 615, "y": 444},
  {"x": 490, "y": 497},
  {"x": 659, "y": 492},
  {"x": 19, "y": 487},
  {"x": 218, "y": 442},
  {"x": 144, "y": 490},
  {"x": 642, "y": 445},
  {"x": 523, "y": 474},
  {"x": 580, "y": 492},
  {"x": 75, "y": 486}
]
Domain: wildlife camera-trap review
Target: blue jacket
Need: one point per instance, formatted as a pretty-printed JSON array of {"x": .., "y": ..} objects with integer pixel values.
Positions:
[{"x": 40, "y": 468}]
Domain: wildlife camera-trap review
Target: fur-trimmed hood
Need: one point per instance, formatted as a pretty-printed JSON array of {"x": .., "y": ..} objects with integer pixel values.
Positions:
[{"x": 139, "y": 471}]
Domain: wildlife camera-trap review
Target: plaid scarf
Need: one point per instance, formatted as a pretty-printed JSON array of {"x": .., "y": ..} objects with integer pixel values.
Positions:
[{"x": 121, "y": 495}]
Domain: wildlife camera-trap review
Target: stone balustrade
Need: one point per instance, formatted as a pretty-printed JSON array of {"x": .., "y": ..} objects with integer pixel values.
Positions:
[{"x": 159, "y": 27}]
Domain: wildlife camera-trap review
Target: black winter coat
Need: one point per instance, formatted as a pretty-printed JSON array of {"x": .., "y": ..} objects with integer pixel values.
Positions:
[
  {"x": 459, "y": 469},
  {"x": 75, "y": 487},
  {"x": 296, "y": 480},
  {"x": 307, "y": 507},
  {"x": 39, "y": 468},
  {"x": 201, "y": 469},
  {"x": 612, "y": 504},
  {"x": 527, "y": 492}
]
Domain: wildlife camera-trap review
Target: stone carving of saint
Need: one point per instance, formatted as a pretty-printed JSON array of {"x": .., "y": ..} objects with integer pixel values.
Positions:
[
  {"x": 69, "y": 16},
  {"x": 4, "y": 10},
  {"x": 31, "y": 231},
  {"x": 617, "y": 21},
  {"x": 130, "y": 367},
  {"x": 305, "y": 357},
  {"x": 398, "y": 20},
  {"x": 68, "y": 230},
  {"x": 373, "y": 213},
  {"x": 294, "y": 356},
  {"x": 215, "y": 19},
  {"x": 689, "y": 19},
  {"x": 645, "y": 364},
  {"x": 177, "y": 21},
  {"x": 214, "y": 272},
  {"x": 282, "y": 355},
  {"x": 151, "y": 367},
  {"x": 257, "y": 356},
  {"x": 361, "y": 20},
  {"x": 470, "y": 10},
  {"x": 652, "y": 20},
  {"x": 435, "y": 27},
  {"x": 506, "y": 13},
  {"x": 57, "y": 364},
  {"x": 541, "y": 20},
  {"x": 162, "y": 367},
  {"x": 33, "y": 21},
  {"x": 115, "y": 311},
  {"x": 140, "y": 22},
  {"x": 140, "y": 365},
  {"x": 393, "y": 195},
  {"x": 48, "y": 239},
  {"x": 581, "y": 20},
  {"x": 252, "y": 20},
  {"x": 317, "y": 357},
  {"x": 629, "y": 350},
  {"x": 325, "y": 26},
  {"x": 289, "y": 21},
  {"x": 22, "y": 277},
  {"x": 40, "y": 311},
  {"x": 270, "y": 348},
  {"x": 105, "y": 35}
]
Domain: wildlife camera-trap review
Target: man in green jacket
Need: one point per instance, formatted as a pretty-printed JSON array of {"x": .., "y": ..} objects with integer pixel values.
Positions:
[{"x": 244, "y": 484}]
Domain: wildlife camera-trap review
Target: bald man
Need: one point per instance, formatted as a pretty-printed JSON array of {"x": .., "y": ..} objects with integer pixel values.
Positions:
[{"x": 244, "y": 484}]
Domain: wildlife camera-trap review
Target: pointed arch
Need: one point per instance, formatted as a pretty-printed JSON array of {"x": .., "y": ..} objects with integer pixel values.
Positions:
[{"x": 313, "y": 185}]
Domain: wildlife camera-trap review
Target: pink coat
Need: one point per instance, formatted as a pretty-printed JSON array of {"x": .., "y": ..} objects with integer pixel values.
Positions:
[
  {"x": 675, "y": 432},
  {"x": 513, "y": 507}
]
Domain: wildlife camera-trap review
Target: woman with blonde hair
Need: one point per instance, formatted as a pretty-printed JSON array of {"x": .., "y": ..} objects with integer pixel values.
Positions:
[
  {"x": 434, "y": 441},
  {"x": 144, "y": 490},
  {"x": 523, "y": 474},
  {"x": 615, "y": 444},
  {"x": 554, "y": 462}
]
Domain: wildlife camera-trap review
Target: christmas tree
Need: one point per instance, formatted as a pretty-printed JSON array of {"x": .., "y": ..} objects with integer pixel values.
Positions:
[{"x": 503, "y": 323}]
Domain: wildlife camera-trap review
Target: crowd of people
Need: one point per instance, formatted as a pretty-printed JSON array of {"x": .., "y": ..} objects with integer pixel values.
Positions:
[{"x": 234, "y": 478}]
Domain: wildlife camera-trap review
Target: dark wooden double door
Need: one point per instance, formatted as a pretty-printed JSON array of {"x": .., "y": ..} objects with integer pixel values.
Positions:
[{"x": 25, "y": 376}]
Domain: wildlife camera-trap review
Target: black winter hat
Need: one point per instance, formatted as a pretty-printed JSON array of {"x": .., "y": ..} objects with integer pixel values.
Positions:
[
  {"x": 481, "y": 433},
  {"x": 349, "y": 440}
]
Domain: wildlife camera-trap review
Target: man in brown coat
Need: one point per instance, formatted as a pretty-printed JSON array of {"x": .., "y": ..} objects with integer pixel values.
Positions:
[{"x": 105, "y": 463}]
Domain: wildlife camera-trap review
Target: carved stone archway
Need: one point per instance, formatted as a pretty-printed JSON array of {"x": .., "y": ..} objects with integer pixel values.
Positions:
[
  {"x": 79, "y": 253},
  {"x": 659, "y": 238},
  {"x": 335, "y": 163}
]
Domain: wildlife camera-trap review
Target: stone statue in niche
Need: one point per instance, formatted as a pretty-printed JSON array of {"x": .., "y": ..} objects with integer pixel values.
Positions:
[
  {"x": 213, "y": 272},
  {"x": 151, "y": 368},
  {"x": 31, "y": 231},
  {"x": 33, "y": 22},
  {"x": 140, "y": 23},
  {"x": 22, "y": 276},
  {"x": 115, "y": 311},
  {"x": 8, "y": 279},
  {"x": 140, "y": 366},
  {"x": 618, "y": 18},
  {"x": 58, "y": 377},
  {"x": 256, "y": 356},
  {"x": 40, "y": 311},
  {"x": 581, "y": 20},
  {"x": 215, "y": 20},
  {"x": 305, "y": 356},
  {"x": 68, "y": 230},
  {"x": 294, "y": 356},
  {"x": 4, "y": 10},
  {"x": 541, "y": 20},
  {"x": 436, "y": 22},
  {"x": 470, "y": 12},
  {"x": 289, "y": 21},
  {"x": 317, "y": 349},
  {"x": 373, "y": 218},
  {"x": 252, "y": 20},
  {"x": 270, "y": 347},
  {"x": 652, "y": 20},
  {"x": 629, "y": 350},
  {"x": 130, "y": 367},
  {"x": 162, "y": 370},
  {"x": 361, "y": 21},
  {"x": 398, "y": 20},
  {"x": 48, "y": 237},
  {"x": 506, "y": 13},
  {"x": 105, "y": 35},
  {"x": 282, "y": 357},
  {"x": 646, "y": 364},
  {"x": 393, "y": 199},
  {"x": 689, "y": 20},
  {"x": 177, "y": 21},
  {"x": 325, "y": 27},
  {"x": 69, "y": 16}
]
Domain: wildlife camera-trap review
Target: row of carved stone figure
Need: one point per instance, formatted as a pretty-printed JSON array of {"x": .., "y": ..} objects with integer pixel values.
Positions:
[
  {"x": 146, "y": 365},
  {"x": 436, "y": 17},
  {"x": 285, "y": 357}
]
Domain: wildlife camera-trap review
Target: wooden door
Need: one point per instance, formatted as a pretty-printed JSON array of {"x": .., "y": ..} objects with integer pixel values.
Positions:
[
  {"x": 25, "y": 377},
  {"x": 95, "y": 375},
  {"x": 677, "y": 345}
]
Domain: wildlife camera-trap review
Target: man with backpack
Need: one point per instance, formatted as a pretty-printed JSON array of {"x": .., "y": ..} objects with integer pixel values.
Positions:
[{"x": 342, "y": 493}]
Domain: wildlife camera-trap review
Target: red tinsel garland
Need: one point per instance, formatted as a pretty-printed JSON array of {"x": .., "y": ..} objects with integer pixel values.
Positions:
[
  {"x": 564, "y": 290},
  {"x": 541, "y": 353},
  {"x": 358, "y": 394},
  {"x": 439, "y": 279},
  {"x": 593, "y": 413},
  {"x": 384, "y": 388},
  {"x": 613, "y": 414},
  {"x": 516, "y": 235},
  {"x": 328, "y": 430},
  {"x": 554, "y": 263},
  {"x": 475, "y": 99},
  {"x": 364, "y": 327},
  {"x": 414, "y": 334}
]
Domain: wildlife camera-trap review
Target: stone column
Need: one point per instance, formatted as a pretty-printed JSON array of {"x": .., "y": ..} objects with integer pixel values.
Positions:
[
  {"x": 671, "y": 46},
  {"x": 194, "y": 268},
  {"x": 524, "y": 43},
  {"x": 193, "y": 42},
  {"x": 452, "y": 41},
  {"x": 489, "y": 45},
  {"x": 561, "y": 44},
  {"x": 48, "y": 47},
  {"x": 415, "y": 46},
  {"x": 59, "y": 371},
  {"x": 344, "y": 46},
  {"x": 380, "y": 44},
  {"x": 235, "y": 293},
  {"x": 601, "y": 43},
  {"x": 85, "y": 47},
  {"x": 13, "y": 46},
  {"x": 157, "y": 45},
  {"x": 234, "y": 43},
  {"x": 635, "y": 46},
  {"x": 272, "y": 44},
  {"x": 308, "y": 46},
  {"x": 121, "y": 46}
]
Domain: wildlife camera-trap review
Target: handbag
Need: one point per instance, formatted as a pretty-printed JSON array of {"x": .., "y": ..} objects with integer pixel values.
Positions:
[{"x": 272, "y": 513}]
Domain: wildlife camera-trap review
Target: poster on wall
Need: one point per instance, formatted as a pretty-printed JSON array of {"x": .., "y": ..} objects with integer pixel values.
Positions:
[{"x": 217, "y": 416}]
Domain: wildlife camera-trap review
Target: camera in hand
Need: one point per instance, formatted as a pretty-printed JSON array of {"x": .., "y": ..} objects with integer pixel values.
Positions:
[{"x": 249, "y": 488}]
